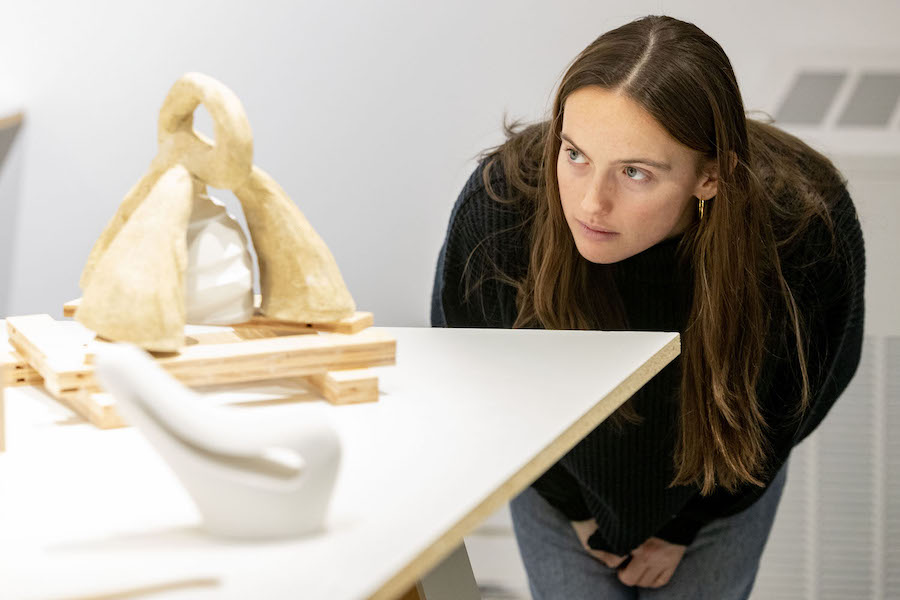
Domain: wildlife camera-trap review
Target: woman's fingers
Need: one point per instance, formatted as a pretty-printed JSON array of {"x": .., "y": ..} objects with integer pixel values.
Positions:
[
  {"x": 648, "y": 578},
  {"x": 610, "y": 560},
  {"x": 653, "y": 564},
  {"x": 663, "y": 578},
  {"x": 584, "y": 529},
  {"x": 637, "y": 573}
]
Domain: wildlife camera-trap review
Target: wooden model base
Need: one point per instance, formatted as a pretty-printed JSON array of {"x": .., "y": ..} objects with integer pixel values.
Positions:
[{"x": 332, "y": 358}]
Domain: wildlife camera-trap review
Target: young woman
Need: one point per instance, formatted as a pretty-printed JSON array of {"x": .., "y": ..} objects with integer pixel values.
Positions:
[{"x": 648, "y": 201}]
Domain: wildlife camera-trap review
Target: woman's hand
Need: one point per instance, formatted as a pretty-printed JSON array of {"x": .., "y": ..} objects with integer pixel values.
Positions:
[
  {"x": 652, "y": 563},
  {"x": 584, "y": 529}
]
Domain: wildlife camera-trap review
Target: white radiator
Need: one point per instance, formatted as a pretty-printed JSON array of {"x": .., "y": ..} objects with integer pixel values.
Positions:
[{"x": 836, "y": 532}]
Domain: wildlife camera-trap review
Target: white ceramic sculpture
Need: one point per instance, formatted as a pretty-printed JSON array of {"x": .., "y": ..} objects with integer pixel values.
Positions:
[
  {"x": 219, "y": 277},
  {"x": 251, "y": 476}
]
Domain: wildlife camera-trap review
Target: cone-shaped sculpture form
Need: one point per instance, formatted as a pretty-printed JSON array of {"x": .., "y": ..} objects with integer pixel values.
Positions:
[
  {"x": 136, "y": 292},
  {"x": 299, "y": 278}
]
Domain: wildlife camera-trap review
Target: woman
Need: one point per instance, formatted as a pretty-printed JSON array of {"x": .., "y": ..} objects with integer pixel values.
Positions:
[{"x": 648, "y": 201}]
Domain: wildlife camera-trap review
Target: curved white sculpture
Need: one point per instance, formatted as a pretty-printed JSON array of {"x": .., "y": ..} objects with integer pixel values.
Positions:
[
  {"x": 219, "y": 276},
  {"x": 251, "y": 476}
]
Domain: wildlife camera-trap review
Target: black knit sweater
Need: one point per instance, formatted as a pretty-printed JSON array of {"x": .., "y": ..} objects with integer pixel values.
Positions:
[{"x": 620, "y": 477}]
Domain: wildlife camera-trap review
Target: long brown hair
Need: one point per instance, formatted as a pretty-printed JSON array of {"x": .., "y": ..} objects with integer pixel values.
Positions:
[{"x": 770, "y": 187}]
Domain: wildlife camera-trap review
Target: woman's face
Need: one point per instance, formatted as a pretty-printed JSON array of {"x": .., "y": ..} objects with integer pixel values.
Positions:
[{"x": 621, "y": 172}]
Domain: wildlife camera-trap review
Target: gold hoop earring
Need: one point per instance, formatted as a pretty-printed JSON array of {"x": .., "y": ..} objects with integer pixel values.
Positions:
[{"x": 701, "y": 205}]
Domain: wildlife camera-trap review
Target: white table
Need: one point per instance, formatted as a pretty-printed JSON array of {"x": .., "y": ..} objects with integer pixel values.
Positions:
[{"x": 466, "y": 420}]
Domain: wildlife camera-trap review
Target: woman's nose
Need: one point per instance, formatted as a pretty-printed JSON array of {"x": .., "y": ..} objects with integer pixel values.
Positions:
[{"x": 597, "y": 198}]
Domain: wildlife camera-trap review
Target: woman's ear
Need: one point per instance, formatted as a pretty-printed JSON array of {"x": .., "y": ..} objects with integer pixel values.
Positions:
[{"x": 708, "y": 182}]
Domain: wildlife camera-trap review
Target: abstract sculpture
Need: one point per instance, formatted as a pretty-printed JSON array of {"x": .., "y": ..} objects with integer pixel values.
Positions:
[{"x": 134, "y": 281}]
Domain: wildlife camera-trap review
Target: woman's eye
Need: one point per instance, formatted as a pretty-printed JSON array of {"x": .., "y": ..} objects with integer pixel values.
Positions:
[
  {"x": 574, "y": 156},
  {"x": 635, "y": 174}
]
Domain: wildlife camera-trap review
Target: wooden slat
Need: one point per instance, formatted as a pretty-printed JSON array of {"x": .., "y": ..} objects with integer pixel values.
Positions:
[
  {"x": 287, "y": 356},
  {"x": 346, "y": 387},
  {"x": 353, "y": 324},
  {"x": 98, "y": 408},
  {"x": 14, "y": 370},
  {"x": 339, "y": 388},
  {"x": 70, "y": 307},
  {"x": 64, "y": 365},
  {"x": 61, "y": 354},
  {"x": 59, "y": 358},
  {"x": 225, "y": 336},
  {"x": 28, "y": 376}
]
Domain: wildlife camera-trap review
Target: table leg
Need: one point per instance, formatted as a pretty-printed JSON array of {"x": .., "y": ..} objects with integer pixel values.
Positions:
[{"x": 452, "y": 579}]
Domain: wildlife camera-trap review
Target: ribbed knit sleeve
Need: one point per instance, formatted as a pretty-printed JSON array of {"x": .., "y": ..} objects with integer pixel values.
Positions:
[
  {"x": 829, "y": 289},
  {"x": 834, "y": 291},
  {"x": 482, "y": 240}
]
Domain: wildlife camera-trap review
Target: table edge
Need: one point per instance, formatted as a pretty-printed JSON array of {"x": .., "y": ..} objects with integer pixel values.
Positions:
[{"x": 432, "y": 555}]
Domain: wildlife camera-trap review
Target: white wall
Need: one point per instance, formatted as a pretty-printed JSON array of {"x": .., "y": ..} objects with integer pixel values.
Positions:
[{"x": 367, "y": 113}]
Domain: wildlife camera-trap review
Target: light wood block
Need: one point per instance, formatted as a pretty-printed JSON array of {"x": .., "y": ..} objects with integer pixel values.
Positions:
[
  {"x": 346, "y": 387},
  {"x": 338, "y": 388},
  {"x": 62, "y": 360},
  {"x": 60, "y": 355},
  {"x": 57, "y": 354},
  {"x": 353, "y": 324},
  {"x": 14, "y": 370},
  {"x": 97, "y": 408}
]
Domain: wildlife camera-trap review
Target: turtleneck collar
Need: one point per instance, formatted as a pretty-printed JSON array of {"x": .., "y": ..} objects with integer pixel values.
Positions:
[{"x": 657, "y": 264}]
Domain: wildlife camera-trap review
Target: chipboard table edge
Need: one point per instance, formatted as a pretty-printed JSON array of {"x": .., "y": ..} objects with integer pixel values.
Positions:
[{"x": 444, "y": 545}]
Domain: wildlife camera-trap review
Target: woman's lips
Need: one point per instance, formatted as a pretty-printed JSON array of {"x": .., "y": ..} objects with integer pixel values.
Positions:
[{"x": 598, "y": 234}]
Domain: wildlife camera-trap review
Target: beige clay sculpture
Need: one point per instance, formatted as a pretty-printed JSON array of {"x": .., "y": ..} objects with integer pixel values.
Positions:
[{"x": 133, "y": 282}]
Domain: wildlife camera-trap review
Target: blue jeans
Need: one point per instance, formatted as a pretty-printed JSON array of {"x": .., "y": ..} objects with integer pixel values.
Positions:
[{"x": 720, "y": 564}]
